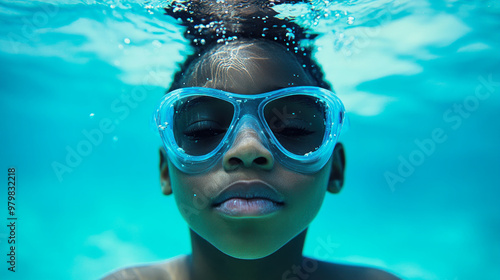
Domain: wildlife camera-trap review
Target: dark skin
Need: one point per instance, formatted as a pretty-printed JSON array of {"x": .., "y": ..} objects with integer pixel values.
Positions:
[{"x": 266, "y": 248}]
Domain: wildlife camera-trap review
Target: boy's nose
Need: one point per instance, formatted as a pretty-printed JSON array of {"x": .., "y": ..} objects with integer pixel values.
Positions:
[{"x": 248, "y": 151}]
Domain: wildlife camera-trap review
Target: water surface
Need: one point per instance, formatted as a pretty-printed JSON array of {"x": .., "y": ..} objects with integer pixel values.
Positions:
[{"x": 420, "y": 79}]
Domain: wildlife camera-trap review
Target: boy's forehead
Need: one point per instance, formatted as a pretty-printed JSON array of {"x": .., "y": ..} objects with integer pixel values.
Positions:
[{"x": 248, "y": 69}]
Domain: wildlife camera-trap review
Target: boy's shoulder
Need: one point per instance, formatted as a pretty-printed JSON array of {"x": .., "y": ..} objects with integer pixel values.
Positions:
[
  {"x": 176, "y": 269},
  {"x": 171, "y": 269},
  {"x": 347, "y": 272}
]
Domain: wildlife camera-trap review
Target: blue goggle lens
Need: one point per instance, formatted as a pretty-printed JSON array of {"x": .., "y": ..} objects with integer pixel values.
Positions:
[
  {"x": 200, "y": 123},
  {"x": 297, "y": 122}
]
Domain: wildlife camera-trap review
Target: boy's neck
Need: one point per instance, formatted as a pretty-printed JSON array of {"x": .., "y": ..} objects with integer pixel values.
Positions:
[{"x": 208, "y": 263}]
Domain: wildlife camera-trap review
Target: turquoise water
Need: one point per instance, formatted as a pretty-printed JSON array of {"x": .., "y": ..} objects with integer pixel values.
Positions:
[{"x": 420, "y": 79}]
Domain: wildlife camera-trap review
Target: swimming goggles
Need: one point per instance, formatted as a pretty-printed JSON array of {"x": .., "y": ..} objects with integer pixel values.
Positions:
[{"x": 298, "y": 125}]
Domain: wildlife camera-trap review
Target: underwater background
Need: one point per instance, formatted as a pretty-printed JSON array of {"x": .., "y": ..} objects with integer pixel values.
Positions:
[{"x": 420, "y": 81}]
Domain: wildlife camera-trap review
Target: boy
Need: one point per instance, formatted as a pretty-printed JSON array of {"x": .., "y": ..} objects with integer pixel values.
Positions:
[
  {"x": 249, "y": 129},
  {"x": 260, "y": 236}
]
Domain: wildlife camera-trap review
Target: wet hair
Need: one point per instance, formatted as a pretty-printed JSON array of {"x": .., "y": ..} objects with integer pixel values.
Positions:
[{"x": 211, "y": 25}]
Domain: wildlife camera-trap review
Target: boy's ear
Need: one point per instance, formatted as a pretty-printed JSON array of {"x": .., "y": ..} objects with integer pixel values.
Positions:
[
  {"x": 166, "y": 186},
  {"x": 336, "y": 180}
]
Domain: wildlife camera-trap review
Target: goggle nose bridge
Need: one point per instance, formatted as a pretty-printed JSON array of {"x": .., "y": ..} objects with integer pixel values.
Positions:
[{"x": 246, "y": 120}]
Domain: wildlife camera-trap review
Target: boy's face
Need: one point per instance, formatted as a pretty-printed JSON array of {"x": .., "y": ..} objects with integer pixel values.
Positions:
[{"x": 248, "y": 160}]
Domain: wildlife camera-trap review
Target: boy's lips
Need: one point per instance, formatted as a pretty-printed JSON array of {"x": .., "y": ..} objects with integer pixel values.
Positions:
[{"x": 248, "y": 198}]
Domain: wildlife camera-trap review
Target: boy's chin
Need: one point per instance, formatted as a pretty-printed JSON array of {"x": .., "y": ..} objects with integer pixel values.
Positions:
[
  {"x": 249, "y": 250},
  {"x": 243, "y": 254}
]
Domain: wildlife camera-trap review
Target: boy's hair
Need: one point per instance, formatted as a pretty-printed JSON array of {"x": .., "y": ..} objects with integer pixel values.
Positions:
[{"x": 209, "y": 24}]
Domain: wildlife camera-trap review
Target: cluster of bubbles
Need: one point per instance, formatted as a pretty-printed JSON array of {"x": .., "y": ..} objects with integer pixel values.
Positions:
[
  {"x": 224, "y": 21},
  {"x": 318, "y": 16},
  {"x": 163, "y": 126},
  {"x": 294, "y": 24}
]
